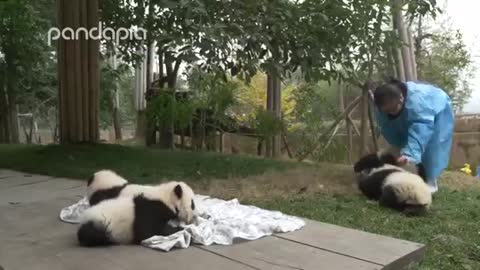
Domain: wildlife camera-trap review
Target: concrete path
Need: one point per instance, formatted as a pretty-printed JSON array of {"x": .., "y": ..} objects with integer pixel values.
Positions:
[{"x": 33, "y": 237}]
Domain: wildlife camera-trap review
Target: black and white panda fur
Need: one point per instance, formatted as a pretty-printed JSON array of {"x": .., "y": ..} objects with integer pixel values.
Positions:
[
  {"x": 131, "y": 219},
  {"x": 376, "y": 160},
  {"x": 380, "y": 179},
  {"x": 106, "y": 184}
]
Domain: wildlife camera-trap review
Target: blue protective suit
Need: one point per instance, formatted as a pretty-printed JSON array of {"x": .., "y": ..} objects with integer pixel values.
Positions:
[{"x": 424, "y": 129}]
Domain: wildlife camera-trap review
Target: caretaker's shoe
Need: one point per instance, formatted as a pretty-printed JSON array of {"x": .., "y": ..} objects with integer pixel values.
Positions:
[{"x": 433, "y": 186}]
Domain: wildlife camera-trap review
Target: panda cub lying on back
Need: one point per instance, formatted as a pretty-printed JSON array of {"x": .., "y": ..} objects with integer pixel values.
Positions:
[
  {"x": 129, "y": 218},
  {"x": 381, "y": 179}
]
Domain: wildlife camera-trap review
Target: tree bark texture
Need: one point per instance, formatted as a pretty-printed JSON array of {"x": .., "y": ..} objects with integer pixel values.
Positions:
[{"x": 78, "y": 73}]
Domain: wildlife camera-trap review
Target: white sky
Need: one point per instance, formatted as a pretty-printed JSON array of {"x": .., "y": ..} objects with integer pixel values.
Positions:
[{"x": 464, "y": 16}]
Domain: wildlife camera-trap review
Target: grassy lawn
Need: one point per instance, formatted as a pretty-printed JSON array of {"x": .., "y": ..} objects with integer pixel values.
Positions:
[
  {"x": 324, "y": 192},
  {"x": 451, "y": 231},
  {"x": 136, "y": 163}
]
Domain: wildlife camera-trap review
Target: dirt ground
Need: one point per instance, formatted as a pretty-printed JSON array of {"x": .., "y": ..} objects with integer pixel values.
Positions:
[{"x": 323, "y": 178}]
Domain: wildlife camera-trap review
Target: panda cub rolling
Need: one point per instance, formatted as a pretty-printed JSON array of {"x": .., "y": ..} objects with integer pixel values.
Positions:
[
  {"x": 132, "y": 219},
  {"x": 376, "y": 160},
  {"x": 106, "y": 184},
  {"x": 381, "y": 180}
]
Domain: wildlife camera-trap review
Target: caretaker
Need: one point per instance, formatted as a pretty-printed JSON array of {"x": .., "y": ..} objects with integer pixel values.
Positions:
[{"x": 418, "y": 119}]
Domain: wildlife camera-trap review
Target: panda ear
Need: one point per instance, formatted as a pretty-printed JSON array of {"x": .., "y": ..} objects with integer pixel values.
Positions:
[{"x": 178, "y": 191}]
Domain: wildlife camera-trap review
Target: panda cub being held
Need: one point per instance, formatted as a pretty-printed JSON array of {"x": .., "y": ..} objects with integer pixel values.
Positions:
[{"x": 380, "y": 178}]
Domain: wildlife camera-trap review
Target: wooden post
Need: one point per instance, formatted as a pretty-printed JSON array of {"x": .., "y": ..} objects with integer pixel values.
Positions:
[{"x": 78, "y": 73}]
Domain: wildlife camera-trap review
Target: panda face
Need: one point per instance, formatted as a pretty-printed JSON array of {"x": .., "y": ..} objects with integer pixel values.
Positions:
[{"x": 184, "y": 203}]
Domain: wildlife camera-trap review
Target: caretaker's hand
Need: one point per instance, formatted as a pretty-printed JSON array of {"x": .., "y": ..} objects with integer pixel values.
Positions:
[{"x": 402, "y": 160}]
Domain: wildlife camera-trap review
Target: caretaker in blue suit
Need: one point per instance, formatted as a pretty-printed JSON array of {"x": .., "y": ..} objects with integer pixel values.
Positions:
[{"x": 418, "y": 119}]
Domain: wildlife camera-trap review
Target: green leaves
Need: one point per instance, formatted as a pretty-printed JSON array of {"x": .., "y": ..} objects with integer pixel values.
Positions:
[
  {"x": 446, "y": 62},
  {"x": 323, "y": 38}
]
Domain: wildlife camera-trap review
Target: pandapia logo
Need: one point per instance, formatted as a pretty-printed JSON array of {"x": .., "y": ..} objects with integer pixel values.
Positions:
[{"x": 95, "y": 33}]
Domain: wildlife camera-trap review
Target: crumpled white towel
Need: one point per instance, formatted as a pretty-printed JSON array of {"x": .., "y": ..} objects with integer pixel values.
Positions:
[{"x": 219, "y": 222}]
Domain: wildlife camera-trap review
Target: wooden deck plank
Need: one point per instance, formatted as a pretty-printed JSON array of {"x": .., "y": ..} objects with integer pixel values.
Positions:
[
  {"x": 37, "y": 239},
  {"x": 9, "y": 181},
  {"x": 379, "y": 249},
  {"x": 45, "y": 189},
  {"x": 25, "y": 220},
  {"x": 275, "y": 253}
]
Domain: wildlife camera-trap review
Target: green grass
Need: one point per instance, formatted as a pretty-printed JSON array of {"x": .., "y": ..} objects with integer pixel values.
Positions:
[
  {"x": 451, "y": 230},
  {"x": 138, "y": 164}
]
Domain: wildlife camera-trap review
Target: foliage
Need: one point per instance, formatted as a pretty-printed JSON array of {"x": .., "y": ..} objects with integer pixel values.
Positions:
[
  {"x": 213, "y": 94},
  {"x": 446, "y": 62},
  {"x": 315, "y": 107},
  {"x": 266, "y": 123},
  {"x": 26, "y": 60},
  {"x": 112, "y": 80},
  {"x": 323, "y": 38},
  {"x": 162, "y": 110}
]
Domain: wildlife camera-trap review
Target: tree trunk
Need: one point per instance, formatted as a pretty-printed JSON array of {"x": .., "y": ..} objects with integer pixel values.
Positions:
[
  {"x": 341, "y": 107},
  {"x": 399, "y": 64},
  {"x": 412, "y": 55},
  {"x": 139, "y": 94},
  {"x": 182, "y": 138},
  {"x": 12, "y": 109},
  {"x": 277, "y": 109},
  {"x": 364, "y": 122},
  {"x": 274, "y": 143},
  {"x": 221, "y": 142},
  {"x": 151, "y": 129},
  {"x": 270, "y": 102},
  {"x": 117, "y": 127},
  {"x": 392, "y": 69},
  {"x": 399, "y": 24},
  {"x": 116, "y": 124},
  {"x": 4, "y": 115},
  {"x": 78, "y": 73}
]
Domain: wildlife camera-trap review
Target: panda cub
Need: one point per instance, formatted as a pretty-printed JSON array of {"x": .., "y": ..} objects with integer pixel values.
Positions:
[
  {"x": 380, "y": 179},
  {"x": 106, "y": 184},
  {"x": 376, "y": 160},
  {"x": 132, "y": 219}
]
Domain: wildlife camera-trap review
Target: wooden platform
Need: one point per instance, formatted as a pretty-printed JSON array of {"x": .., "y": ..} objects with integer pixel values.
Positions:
[{"x": 33, "y": 237}]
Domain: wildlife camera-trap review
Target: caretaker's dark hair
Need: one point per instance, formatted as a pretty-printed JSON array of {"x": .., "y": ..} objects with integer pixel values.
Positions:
[{"x": 391, "y": 90}]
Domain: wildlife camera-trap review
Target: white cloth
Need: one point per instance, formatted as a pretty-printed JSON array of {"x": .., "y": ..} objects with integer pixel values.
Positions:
[{"x": 218, "y": 222}]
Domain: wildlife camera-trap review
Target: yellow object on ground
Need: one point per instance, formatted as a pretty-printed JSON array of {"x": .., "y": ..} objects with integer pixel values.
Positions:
[{"x": 466, "y": 169}]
